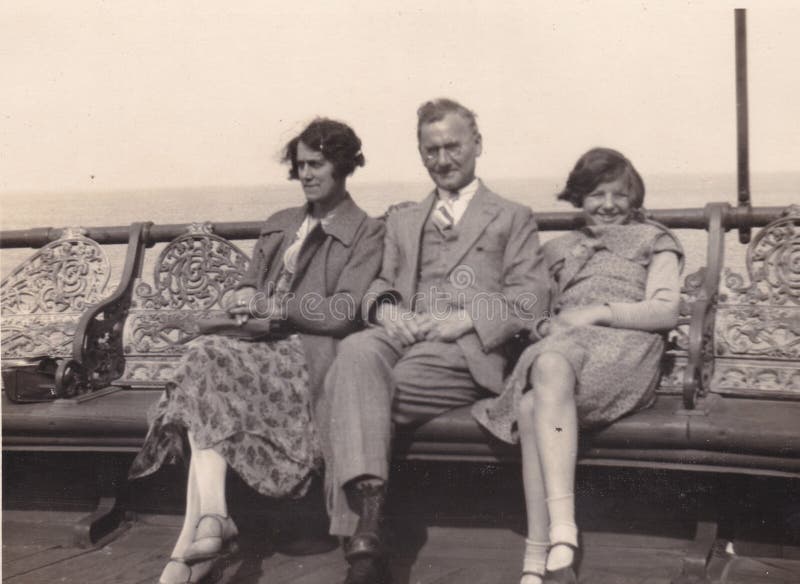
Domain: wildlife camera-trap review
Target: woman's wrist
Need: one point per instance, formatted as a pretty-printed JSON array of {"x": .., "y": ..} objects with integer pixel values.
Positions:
[{"x": 605, "y": 315}]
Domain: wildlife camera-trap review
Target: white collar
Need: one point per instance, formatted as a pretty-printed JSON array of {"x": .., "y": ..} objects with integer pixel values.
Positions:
[{"x": 464, "y": 193}]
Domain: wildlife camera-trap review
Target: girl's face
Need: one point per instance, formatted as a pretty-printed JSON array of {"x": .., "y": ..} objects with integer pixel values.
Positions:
[{"x": 609, "y": 203}]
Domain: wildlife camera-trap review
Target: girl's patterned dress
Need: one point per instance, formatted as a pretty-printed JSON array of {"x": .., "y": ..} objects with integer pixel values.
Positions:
[
  {"x": 248, "y": 400},
  {"x": 617, "y": 370}
]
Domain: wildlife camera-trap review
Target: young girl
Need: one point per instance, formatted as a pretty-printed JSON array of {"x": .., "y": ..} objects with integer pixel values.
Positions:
[{"x": 616, "y": 287}]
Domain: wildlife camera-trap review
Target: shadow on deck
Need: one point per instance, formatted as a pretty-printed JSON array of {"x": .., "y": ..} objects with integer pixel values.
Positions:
[{"x": 448, "y": 523}]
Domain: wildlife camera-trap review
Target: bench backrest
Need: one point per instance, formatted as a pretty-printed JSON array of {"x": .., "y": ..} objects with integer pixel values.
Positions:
[
  {"x": 197, "y": 271},
  {"x": 757, "y": 332},
  {"x": 43, "y": 298},
  {"x": 736, "y": 335},
  {"x": 193, "y": 276}
]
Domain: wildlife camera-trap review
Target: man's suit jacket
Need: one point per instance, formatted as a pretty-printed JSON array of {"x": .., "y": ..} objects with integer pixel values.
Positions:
[{"x": 495, "y": 271}]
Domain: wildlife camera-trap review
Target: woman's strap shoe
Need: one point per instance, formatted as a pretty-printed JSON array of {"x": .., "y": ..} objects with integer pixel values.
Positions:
[
  {"x": 215, "y": 536},
  {"x": 567, "y": 574},
  {"x": 531, "y": 573},
  {"x": 191, "y": 573}
]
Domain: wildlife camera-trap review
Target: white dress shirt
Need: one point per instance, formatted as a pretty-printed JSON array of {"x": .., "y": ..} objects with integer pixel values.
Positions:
[{"x": 457, "y": 204}]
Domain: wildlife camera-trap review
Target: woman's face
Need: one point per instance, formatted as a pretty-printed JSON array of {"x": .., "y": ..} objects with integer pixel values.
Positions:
[
  {"x": 609, "y": 203},
  {"x": 317, "y": 176}
]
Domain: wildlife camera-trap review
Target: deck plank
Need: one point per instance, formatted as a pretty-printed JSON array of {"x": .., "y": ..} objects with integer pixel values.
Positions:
[
  {"x": 755, "y": 571},
  {"x": 36, "y": 553},
  {"x": 34, "y": 539}
]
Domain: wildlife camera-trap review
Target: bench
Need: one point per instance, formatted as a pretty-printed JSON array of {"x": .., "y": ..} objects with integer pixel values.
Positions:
[{"x": 728, "y": 401}]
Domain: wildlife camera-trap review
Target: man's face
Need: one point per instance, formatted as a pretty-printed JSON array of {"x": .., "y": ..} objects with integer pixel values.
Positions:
[{"x": 448, "y": 149}]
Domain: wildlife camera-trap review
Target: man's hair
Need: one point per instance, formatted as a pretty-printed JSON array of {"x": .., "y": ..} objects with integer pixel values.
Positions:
[
  {"x": 436, "y": 109},
  {"x": 597, "y": 166}
]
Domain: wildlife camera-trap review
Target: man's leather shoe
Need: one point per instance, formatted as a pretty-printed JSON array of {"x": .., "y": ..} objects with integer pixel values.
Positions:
[
  {"x": 368, "y": 570},
  {"x": 365, "y": 551}
]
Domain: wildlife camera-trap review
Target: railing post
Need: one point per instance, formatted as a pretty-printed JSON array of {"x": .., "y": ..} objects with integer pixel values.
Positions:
[{"x": 742, "y": 137}]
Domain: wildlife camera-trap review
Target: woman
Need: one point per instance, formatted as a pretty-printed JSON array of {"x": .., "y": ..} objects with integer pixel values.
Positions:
[
  {"x": 244, "y": 400},
  {"x": 616, "y": 286}
]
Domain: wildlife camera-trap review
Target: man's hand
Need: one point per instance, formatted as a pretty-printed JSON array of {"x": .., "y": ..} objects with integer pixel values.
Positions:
[
  {"x": 404, "y": 325},
  {"x": 451, "y": 327}
]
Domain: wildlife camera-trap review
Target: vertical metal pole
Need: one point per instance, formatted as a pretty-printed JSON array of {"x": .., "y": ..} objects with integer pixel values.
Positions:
[{"x": 742, "y": 139}]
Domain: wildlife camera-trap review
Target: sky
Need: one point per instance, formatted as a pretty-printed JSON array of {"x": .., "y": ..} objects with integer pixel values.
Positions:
[{"x": 101, "y": 95}]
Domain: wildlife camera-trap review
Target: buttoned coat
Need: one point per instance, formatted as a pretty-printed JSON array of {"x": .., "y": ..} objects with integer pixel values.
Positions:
[
  {"x": 334, "y": 269},
  {"x": 495, "y": 271}
]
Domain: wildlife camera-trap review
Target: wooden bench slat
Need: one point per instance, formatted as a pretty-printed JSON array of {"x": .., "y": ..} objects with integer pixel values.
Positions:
[{"x": 724, "y": 434}]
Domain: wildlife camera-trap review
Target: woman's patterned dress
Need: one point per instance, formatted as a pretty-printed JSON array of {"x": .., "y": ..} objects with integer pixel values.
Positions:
[{"x": 248, "y": 400}]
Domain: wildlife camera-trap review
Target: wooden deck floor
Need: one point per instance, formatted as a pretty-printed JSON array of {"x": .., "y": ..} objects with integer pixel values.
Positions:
[
  {"x": 36, "y": 550},
  {"x": 447, "y": 526}
]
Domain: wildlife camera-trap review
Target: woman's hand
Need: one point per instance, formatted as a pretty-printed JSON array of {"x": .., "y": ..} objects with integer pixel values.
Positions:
[{"x": 243, "y": 301}]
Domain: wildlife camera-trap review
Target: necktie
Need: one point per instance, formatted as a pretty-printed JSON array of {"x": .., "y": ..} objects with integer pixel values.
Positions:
[{"x": 443, "y": 213}]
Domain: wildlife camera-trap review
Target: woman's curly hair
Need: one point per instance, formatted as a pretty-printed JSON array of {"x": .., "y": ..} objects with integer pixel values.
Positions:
[{"x": 336, "y": 141}]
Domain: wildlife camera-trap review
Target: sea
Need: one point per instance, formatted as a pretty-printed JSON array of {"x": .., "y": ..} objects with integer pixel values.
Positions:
[{"x": 24, "y": 210}]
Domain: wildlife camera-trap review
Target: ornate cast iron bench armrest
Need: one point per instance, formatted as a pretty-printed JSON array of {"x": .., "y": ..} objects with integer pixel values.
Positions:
[
  {"x": 700, "y": 366},
  {"x": 97, "y": 348}
]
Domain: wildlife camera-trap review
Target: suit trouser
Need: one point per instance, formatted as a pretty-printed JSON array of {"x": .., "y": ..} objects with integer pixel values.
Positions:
[{"x": 375, "y": 382}]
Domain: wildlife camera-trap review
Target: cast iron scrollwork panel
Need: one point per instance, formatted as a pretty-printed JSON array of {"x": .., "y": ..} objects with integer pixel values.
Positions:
[
  {"x": 194, "y": 271},
  {"x": 767, "y": 377},
  {"x": 38, "y": 336},
  {"x": 193, "y": 278},
  {"x": 773, "y": 264},
  {"x": 42, "y": 299},
  {"x": 758, "y": 321},
  {"x": 759, "y": 331},
  {"x": 761, "y": 318}
]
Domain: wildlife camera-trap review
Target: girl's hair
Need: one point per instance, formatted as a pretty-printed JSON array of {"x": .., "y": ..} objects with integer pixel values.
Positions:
[
  {"x": 601, "y": 165},
  {"x": 336, "y": 141}
]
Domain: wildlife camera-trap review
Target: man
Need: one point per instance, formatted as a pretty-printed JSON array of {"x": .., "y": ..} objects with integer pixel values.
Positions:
[{"x": 462, "y": 273}]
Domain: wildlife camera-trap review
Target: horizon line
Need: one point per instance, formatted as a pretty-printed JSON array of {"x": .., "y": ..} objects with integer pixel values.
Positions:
[{"x": 353, "y": 181}]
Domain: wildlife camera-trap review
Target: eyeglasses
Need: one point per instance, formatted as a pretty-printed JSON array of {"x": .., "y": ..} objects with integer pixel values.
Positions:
[{"x": 451, "y": 151}]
